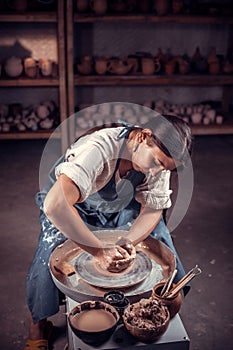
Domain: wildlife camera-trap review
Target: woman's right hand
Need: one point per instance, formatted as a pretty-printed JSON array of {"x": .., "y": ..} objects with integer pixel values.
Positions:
[{"x": 116, "y": 258}]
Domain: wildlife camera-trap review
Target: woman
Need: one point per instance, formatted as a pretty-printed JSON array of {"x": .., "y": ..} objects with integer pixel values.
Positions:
[{"x": 115, "y": 177}]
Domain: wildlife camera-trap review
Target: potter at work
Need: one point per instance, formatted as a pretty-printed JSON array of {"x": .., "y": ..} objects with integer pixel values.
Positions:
[{"x": 113, "y": 177}]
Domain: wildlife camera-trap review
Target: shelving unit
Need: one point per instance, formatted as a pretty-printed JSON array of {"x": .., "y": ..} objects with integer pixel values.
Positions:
[
  {"x": 78, "y": 81},
  {"x": 56, "y": 17}
]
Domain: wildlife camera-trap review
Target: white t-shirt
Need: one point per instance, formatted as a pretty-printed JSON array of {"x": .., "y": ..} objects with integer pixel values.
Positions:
[{"x": 91, "y": 161}]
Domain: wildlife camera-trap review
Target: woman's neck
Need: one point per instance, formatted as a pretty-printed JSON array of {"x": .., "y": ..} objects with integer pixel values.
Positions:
[{"x": 124, "y": 167}]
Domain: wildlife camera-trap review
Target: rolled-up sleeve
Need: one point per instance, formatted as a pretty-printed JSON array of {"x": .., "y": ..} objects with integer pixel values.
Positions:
[
  {"x": 158, "y": 197},
  {"x": 83, "y": 164}
]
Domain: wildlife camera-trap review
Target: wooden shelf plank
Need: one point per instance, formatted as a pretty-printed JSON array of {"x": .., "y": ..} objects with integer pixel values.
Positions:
[
  {"x": 193, "y": 80},
  {"x": 29, "y": 17},
  {"x": 222, "y": 129},
  {"x": 150, "y": 18},
  {"x": 22, "y": 82},
  {"x": 39, "y": 134}
]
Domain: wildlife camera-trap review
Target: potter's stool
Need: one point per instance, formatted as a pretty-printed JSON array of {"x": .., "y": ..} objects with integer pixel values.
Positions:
[{"x": 175, "y": 337}]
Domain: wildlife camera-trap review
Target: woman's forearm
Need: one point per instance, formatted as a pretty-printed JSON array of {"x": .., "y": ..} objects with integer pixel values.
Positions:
[
  {"x": 58, "y": 207},
  {"x": 144, "y": 225}
]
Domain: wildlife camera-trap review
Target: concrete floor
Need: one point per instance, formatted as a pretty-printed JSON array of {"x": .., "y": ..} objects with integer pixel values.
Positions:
[{"x": 204, "y": 237}]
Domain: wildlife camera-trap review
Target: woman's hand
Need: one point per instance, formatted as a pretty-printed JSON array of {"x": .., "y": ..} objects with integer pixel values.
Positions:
[{"x": 118, "y": 257}]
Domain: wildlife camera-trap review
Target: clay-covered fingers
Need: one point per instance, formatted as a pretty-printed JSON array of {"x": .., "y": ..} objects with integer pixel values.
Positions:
[{"x": 127, "y": 245}]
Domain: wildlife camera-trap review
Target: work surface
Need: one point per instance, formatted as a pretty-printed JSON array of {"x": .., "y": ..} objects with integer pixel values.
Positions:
[{"x": 175, "y": 337}]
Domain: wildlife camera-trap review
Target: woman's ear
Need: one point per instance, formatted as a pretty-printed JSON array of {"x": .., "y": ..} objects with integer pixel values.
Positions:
[{"x": 148, "y": 132}]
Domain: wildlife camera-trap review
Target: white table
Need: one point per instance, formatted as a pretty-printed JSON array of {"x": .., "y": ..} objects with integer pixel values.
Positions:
[{"x": 175, "y": 337}]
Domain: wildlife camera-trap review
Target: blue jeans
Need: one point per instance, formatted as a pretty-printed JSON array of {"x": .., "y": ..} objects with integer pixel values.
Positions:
[{"x": 42, "y": 294}]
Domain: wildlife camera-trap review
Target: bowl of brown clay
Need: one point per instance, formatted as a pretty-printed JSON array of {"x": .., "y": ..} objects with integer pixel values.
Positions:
[
  {"x": 147, "y": 319},
  {"x": 93, "y": 321}
]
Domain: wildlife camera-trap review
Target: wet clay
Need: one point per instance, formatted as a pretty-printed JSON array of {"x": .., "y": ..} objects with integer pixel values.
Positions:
[{"x": 93, "y": 320}]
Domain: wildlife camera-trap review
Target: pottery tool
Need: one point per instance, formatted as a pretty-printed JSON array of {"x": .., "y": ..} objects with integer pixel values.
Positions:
[
  {"x": 165, "y": 293},
  {"x": 186, "y": 279}
]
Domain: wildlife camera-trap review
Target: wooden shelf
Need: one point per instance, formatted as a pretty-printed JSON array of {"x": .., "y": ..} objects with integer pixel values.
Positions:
[
  {"x": 150, "y": 18},
  {"x": 38, "y": 134},
  {"x": 22, "y": 82},
  {"x": 57, "y": 17},
  {"x": 193, "y": 80},
  {"x": 223, "y": 129},
  {"x": 29, "y": 17}
]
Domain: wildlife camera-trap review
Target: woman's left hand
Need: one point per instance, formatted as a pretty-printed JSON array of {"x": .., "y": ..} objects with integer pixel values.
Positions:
[{"x": 118, "y": 257}]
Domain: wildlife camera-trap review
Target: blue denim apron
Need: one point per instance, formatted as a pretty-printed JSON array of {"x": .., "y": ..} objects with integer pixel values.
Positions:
[{"x": 42, "y": 294}]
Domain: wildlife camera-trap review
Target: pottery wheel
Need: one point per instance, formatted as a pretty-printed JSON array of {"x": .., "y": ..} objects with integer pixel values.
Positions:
[
  {"x": 91, "y": 272},
  {"x": 69, "y": 281}
]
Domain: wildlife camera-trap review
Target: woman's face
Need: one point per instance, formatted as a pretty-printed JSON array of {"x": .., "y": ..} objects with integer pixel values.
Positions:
[{"x": 151, "y": 160}]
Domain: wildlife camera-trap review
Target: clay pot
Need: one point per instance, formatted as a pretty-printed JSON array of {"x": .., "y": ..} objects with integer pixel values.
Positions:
[
  {"x": 82, "y": 5},
  {"x": 214, "y": 68},
  {"x": 120, "y": 67},
  {"x": 150, "y": 65},
  {"x": 170, "y": 67},
  {"x": 213, "y": 61},
  {"x": 144, "y": 6},
  {"x": 102, "y": 65},
  {"x": 46, "y": 66},
  {"x": 99, "y": 6},
  {"x": 184, "y": 66},
  {"x": 13, "y": 67},
  {"x": 173, "y": 304},
  {"x": 30, "y": 67},
  {"x": 17, "y": 5},
  {"x": 161, "y": 7},
  {"x": 227, "y": 67},
  {"x": 177, "y": 6},
  {"x": 134, "y": 62},
  {"x": 86, "y": 65}
]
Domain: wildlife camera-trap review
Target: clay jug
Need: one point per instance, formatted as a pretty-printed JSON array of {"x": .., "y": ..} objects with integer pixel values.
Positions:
[
  {"x": 99, "y": 6},
  {"x": 173, "y": 304}
]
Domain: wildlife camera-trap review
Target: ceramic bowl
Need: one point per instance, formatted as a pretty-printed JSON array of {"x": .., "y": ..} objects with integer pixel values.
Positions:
[
  {"x": 93, "y": 321},
  {"x": 153, "y": 312}
]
